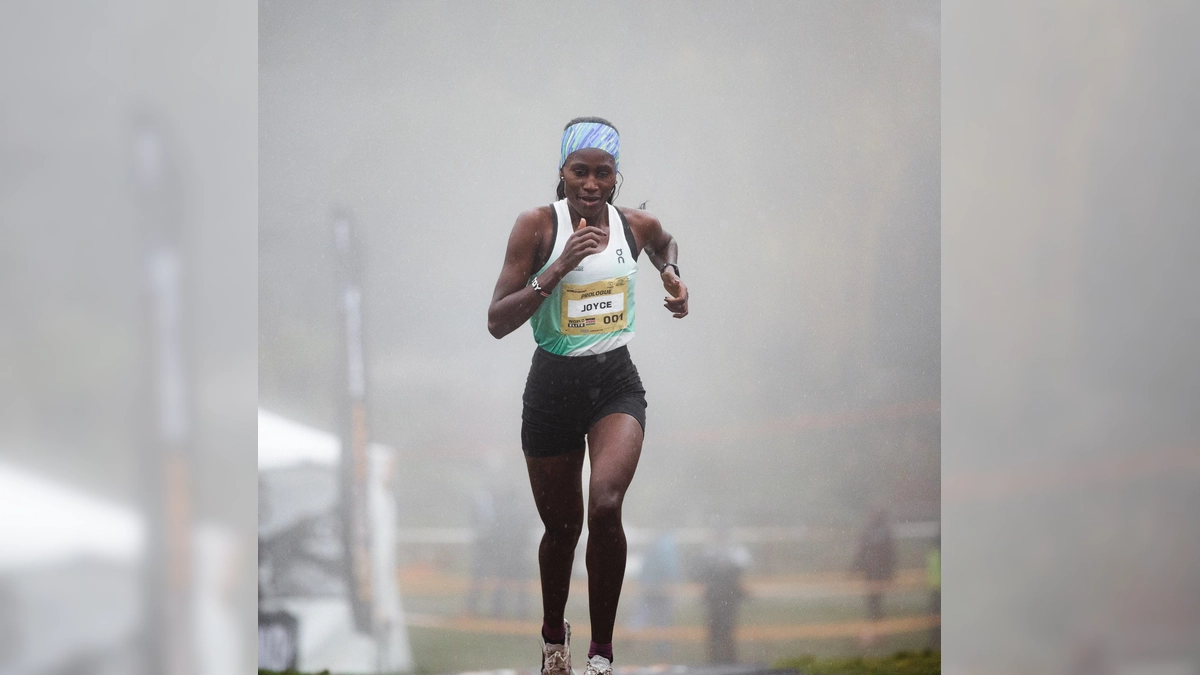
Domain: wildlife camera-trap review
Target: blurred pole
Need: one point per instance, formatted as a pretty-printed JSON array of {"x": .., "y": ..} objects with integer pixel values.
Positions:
[
  {"x": 353, "y": 427},
  {"x": 167, "y": 449}
]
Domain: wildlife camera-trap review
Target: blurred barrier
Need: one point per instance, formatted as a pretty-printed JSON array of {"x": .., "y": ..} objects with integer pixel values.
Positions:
[
  {"x": 428, "y": 582},
  {"x": 745, "y": 633},
  {"x": 684, "y": 535}
]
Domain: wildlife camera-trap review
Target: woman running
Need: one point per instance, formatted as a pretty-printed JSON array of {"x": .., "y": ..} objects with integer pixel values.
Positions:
[{"x": 569, "y": 270}]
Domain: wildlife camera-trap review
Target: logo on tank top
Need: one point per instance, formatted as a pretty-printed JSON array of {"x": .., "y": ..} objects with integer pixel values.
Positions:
[{"x": 595, "y": 308}]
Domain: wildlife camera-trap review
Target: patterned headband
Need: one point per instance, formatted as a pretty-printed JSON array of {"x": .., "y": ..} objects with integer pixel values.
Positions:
[{"x": 590, "y": 135}]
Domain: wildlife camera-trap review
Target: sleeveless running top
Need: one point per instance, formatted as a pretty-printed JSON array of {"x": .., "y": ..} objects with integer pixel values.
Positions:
[{"x": 591, "y": 310}]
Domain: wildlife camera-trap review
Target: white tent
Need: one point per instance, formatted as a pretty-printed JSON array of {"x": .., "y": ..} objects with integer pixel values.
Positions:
[
  {"x": 327, "y": 637},
  {"x": 66, "y": 571},
  {"x": 73, "y": 559},
  {"x": 283, "y": 442},
  {"x": 43, "y": 522}
]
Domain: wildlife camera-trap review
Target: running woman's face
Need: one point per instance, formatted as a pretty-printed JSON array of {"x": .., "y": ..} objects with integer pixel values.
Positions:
[{"x": 589, "y": 177}]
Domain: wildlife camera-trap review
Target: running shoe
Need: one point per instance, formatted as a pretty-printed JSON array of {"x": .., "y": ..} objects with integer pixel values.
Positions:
[
  {"x": 556, "y": 659},
  {"x": 598, "y": 665}
]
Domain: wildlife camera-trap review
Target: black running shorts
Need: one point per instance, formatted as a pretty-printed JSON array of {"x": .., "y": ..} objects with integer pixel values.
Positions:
[{"x": 566, "y": 395}]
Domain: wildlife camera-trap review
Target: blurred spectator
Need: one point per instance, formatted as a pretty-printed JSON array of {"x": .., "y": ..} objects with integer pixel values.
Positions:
[
  {"x": 502, "y": 552},
  {"x": 660, "y": 571},
  {"x": 513, "y": 550},
  {"x": 721, "y": 570},
  {"x": 485, "y": 541},
  {"x": 876, "y": 561}
]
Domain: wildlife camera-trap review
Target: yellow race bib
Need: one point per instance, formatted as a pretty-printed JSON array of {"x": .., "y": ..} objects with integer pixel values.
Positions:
[{"x": 598, "y": 307}]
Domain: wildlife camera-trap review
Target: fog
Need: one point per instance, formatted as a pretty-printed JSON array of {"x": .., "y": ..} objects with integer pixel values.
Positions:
[
  {"x": 792, "y": 150},
  {"x": 127, "y": 259},
  {"x": 1070, "y": 384}
]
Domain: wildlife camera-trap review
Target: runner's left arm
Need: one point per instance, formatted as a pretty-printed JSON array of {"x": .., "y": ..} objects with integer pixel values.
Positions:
[{"x": 663, "y": 250}]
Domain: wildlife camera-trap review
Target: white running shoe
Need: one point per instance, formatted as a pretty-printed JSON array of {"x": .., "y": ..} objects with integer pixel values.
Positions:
[
  {"x": 598, "y": 665},
  {"x": 556, "y": 659}
]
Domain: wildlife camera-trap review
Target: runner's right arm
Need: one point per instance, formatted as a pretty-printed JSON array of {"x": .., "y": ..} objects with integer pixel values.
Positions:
[{"x": 514, "y": 299}]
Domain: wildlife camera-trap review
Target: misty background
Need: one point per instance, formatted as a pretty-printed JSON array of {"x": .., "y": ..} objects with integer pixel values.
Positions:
[
  {"x": 127, "y": 272},
  {"x": 1069, "y": 239},
  {"x": 791, "y": 148},
  {"x": 793, "y": 151},
  {"x": 1072, "y": 377}
]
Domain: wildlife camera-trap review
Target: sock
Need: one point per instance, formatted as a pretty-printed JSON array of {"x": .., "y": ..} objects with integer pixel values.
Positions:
[
  {"x": 604, "y": 650},
  {"x": 554, "y": 637}
]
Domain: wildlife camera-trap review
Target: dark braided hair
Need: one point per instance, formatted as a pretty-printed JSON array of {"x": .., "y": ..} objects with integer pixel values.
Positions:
[{"x": 561, "y": 191}]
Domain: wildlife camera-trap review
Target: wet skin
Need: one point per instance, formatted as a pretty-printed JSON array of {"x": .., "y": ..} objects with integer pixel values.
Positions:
[{"x": 615, "y": 441}]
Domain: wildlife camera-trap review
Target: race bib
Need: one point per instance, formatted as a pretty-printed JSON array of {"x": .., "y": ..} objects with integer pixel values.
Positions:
[{"x": 594, "y": 308}]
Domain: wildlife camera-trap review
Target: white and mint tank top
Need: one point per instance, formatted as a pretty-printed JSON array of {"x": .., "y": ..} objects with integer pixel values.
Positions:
[{"x": 591, "y": 310}]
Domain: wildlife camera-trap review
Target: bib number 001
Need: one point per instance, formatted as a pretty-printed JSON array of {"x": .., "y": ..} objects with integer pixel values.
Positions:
[{"x": 595, "y": 308}]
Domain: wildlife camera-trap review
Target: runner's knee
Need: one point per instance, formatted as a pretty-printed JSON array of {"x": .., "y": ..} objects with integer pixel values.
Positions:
[
  {"x": 565, "y": 530},
  {"x": 604, "y": 508}
]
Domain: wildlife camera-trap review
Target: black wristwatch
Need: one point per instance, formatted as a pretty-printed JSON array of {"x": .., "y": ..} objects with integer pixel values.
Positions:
[{"x": 677, "y": 274}]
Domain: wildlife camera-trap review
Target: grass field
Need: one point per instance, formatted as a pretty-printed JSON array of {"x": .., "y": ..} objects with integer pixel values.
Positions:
[
  {"x": 450, "y": 642},
  {"x": 784, "y": 617}
]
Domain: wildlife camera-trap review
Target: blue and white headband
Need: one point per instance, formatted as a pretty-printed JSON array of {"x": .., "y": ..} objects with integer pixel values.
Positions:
[{"x": 590, "y": 135}]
